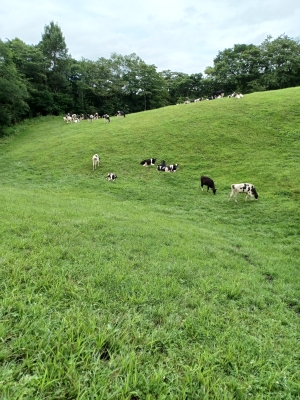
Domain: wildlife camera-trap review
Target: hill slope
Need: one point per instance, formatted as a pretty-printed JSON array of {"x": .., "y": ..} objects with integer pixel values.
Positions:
[{"x": 148, "y": 286}]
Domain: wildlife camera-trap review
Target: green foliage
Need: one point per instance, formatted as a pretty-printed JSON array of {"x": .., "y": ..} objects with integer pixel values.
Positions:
[
  {"x": 272, "y": 65},
  {"x": 148, "y": 287},
  {"x": 13, "y": 91}
]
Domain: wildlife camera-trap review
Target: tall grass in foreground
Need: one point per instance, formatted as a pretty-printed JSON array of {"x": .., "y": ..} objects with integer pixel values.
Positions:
[{"x": 147, "y": 287}]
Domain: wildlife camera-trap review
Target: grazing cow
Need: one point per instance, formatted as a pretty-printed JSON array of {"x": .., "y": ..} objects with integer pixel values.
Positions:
[
  {"x": 111, "y": 176},
  {"x": 247, "y": 188},
  {"x": 187, "y": 102},
  {"x": 205, "y": 180},
  {"x": 218, "y": 93},
  {"x": 96, "y": 161},
  {"x": 171, "y": 168},
  {"x": 91, "y": 117},
  {"x": 147, "y": 162},
  {"x": 161, "y": 166},
  {"x": 96, "y": 116},
  {"x": 106, "y": 118},
  {"x": 239, "y": 96},
  {"x": 120, "y": 114}
]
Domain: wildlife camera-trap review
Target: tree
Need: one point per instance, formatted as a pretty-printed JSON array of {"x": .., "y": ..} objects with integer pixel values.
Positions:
[
  {"x": 280, "y": 60},
  {"x": 30, "y": 63},
  {"x": 53, "y": 46},
  {"x": 58, "y": 67},
  {"x": 13, "y": 91},
  {"x": 234, "y": 68}
]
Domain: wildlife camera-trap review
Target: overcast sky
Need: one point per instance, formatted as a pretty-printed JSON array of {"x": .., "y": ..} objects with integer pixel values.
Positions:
[{"x": 182, "y": 36}]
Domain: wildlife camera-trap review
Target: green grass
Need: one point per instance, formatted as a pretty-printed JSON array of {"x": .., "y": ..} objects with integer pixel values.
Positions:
[{"x": 147, "y": 287}]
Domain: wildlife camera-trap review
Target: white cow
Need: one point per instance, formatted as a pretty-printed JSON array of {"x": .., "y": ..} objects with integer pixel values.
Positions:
[{"x": 96, "y": 161}]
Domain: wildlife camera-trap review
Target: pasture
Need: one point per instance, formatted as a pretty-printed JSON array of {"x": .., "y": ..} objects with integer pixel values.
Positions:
[{"x": 147, "y": 287}]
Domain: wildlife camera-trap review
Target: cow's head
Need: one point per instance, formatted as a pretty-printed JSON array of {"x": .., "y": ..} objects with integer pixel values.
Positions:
[{"x": 254, "y": 192}]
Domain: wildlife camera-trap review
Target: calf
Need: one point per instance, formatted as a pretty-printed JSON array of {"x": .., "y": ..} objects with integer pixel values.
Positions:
[
  {"x": 111, "y": 176},
  {"x": 171, "y": 168},
  {"x": 106, "y": 118},
  {"x": 147, "y": 162},
  {"x": 205, "y": 180},
  {"x": 247, "y": 188},
  {"x": 96, "y": 161},
  {"x": 161, "y": 166}
]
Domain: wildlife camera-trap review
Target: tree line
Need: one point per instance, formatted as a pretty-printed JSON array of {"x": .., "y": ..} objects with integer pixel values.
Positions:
[{"x": 44, "y": 79}]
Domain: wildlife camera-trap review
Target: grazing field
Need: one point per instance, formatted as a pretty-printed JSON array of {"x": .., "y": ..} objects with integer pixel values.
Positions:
[{"x": 147, "y": 287}]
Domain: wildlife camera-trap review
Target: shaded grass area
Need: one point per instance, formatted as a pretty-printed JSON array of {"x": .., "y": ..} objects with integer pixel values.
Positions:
[{"x": 148, "y": 287}]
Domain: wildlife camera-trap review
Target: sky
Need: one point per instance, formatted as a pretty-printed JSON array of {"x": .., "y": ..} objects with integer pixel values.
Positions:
[{"x": 177, "y": 35}]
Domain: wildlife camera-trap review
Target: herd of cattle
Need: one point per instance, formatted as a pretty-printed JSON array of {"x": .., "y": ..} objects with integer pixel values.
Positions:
[
  {"x": 68, "y": 118},
  {"x": 236, "y": 188},
  {"x": 218, "y": 94}
]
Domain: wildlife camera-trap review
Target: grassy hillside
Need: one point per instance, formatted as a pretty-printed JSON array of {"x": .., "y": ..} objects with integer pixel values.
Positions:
[{"x": 147, "y": 287}]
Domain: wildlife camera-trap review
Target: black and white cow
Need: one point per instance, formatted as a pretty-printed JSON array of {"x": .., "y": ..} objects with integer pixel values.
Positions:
[
  {"x": 218, "y": 93},
  {"x": 247, "y": 188},
  {"x": 161, "y": 166},
  {"x": 111, "y": 176},
  {"x": 91, "y": 117},
  {"x": 205, "y": 180},
  {"x": 106, "y": 118},
  {"x": 171, "y": 168},
  {"x": 120, "y": 114},
  {"x": 147, "y": 162}
]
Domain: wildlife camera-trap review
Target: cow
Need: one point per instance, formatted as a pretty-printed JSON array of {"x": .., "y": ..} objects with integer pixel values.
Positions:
[
  {"x": 247, "y": 188},
  {"x": 111, "y": 176},
  {"x": 205, "y": 180},
  {"x": 218, "y": 93},
  {"x": 106, "y": 118},
  {"x": 161, "y": 166},
  {"x": 96, "y": 161},
  {"x": 120, "y": 114},
  {"x": 147, "y": 162},
  {"x": 68, "y": 119},
  {"x": 171, "y": 168},
  {"x": 91, "y": 117}
]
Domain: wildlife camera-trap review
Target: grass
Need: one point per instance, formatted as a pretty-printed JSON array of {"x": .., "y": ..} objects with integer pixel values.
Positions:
[{"x": 147, "y": 287}]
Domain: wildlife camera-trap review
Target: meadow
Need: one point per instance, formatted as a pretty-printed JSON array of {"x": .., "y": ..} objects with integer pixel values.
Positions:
[{"x": 146, "y": 287}]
